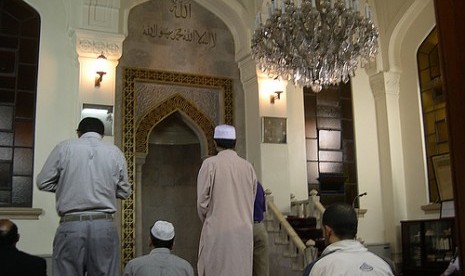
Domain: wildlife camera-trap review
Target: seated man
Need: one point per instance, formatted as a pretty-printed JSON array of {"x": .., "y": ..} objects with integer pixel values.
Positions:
[
  {"x": 344, "y": 255},
  {"x": 160, "y": 261},
  {"x": 454, "y": 268},
  {"x": 14, "y": 262}
]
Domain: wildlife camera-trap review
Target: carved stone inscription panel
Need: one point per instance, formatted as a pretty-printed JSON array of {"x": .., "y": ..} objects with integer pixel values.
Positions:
[{"x": 179, "y": 35}]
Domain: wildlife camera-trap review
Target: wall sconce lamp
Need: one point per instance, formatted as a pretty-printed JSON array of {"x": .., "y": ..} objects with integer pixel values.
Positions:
[
  {"x": 275, "y": 97},
  {"x": 101, "y": 63}
]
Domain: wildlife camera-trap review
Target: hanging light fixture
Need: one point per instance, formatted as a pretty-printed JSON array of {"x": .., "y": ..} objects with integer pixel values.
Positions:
[{"x": 314, "y": 43}]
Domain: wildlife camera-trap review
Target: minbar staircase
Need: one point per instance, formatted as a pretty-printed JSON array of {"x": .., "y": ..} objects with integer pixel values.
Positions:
[
  {"x": 306, "y": 229},
  {"x": 295, "y": 240}
]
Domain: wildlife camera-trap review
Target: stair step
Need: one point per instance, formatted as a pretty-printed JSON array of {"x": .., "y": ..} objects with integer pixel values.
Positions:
[
  {"x": 309, "y": 233},
  {"x": 297, "y": 222}
]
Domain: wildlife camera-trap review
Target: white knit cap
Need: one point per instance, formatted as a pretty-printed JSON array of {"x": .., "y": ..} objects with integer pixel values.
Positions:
[
  {"x": 163, "y": 230},
  {"x": 225, "y": 132}
]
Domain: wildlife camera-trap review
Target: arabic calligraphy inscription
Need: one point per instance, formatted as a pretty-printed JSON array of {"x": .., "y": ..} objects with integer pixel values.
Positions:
[{"x": 181, "y": 9}]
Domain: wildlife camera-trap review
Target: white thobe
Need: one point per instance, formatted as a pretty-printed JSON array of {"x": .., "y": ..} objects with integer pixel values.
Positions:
[{"x": 226, "y": 188}]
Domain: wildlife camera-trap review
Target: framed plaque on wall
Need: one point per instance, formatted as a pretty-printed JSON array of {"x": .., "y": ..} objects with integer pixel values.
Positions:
[{"x": 274, "y": 130}]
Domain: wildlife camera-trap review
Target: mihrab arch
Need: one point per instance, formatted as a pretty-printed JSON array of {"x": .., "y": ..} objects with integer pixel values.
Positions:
[
  {"x": 201, "y": 125},
  {"x": 134, "y": 137}
]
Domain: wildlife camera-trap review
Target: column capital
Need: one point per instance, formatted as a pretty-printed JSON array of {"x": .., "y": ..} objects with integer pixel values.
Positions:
[
  {"x": 385, "y": 83},
  {"x": 248, "y": 69},
  {"x": 93, "y": 43},
  {"x": 141, "y": 157}
]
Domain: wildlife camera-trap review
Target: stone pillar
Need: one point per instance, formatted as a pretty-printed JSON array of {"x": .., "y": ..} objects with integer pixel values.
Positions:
[
  {"x": 249, "y": 82},
  {"x": 140, "y": 161},
  {"x": 385, "y": 87}
]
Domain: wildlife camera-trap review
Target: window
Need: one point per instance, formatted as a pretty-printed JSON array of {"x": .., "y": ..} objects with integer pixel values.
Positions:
[
  {"x": 19, "y": 48},
  {"x": 433, "y": 107}
]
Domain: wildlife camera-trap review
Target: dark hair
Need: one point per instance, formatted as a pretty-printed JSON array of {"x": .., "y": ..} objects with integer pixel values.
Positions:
[
  {"x": 157, "y": 243},
  {"x": 8, "y": 233},
  {"x": 226, "y": 143},
  {"x": 90, "y": 124},
  {"x": 342, "y": 219}
]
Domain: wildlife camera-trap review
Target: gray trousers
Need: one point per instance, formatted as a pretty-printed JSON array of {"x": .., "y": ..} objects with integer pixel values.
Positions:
[
  {"x": 260, "y": 250},
  {"x": 90, "y": 246}
]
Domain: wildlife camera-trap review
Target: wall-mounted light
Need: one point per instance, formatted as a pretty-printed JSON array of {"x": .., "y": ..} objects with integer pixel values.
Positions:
[
  {"x": 275, "y": 96},
  {"x": 101, "y": 65}
]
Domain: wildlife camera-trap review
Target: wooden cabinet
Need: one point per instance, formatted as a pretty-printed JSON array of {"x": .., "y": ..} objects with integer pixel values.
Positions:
[{"x": 427, "y": 246}]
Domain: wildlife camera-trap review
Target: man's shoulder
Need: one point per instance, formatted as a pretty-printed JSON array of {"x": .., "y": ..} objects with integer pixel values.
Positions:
[
  {"x": 181, "y": 260},
  {"x": 363, "y": 260},
  {"x": 21, "y": 260},
  {"x": 66, "y": 143},
  {"x": 31, "y": 258},
  {"x": 142, "y": 258},
  {"x": 151, "y": 258}
]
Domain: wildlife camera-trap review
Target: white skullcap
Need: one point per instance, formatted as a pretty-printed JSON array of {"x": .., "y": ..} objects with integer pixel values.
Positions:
[
  {"x": 163, "y": 230},
  {"x": 225, "y": 132}
]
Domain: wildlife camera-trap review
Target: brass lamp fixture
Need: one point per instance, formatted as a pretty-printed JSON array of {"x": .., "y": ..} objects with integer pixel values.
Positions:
[
  {"x": 275, "y": 96},
  {"x": 101, "y": 63}
]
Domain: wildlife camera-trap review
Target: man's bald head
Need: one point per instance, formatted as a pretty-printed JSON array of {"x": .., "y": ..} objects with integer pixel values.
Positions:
[{"x": 8, "y": 233}]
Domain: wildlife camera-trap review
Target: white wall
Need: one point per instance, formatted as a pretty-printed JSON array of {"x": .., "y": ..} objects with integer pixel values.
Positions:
[
  {"x": 371, "y": 226},
  {"x": 296, "y": 142},
  {"x": 60, "y": 95},
  {"x": 410, "y": 110},
  {"x": 56, "y": 116},
  {"x": 274, "y": 157}
]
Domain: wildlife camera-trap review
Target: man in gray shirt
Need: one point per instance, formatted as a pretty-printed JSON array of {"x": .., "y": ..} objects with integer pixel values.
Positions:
[
  {"x": 86, "y": 175},
  {"x": 160, "y": 261}
]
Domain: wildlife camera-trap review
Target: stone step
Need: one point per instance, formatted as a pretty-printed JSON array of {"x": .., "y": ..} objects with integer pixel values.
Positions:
[{"x": 297, "y": 222}]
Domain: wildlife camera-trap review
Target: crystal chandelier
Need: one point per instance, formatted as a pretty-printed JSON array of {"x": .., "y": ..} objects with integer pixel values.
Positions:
[{"x": 314, "y": 43}]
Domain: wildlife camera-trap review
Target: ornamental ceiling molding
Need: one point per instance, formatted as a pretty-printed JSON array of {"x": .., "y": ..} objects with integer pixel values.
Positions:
[{"x": 91, "y": 44}]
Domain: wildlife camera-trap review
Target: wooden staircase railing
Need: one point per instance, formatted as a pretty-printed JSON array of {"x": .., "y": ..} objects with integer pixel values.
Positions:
[
  {"x": 294, "y": 248},
  {"x": 310, "y": 207}
]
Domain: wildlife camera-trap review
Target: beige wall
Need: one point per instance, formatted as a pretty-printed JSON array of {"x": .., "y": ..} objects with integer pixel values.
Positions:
[{"x": 371, "y": 227}]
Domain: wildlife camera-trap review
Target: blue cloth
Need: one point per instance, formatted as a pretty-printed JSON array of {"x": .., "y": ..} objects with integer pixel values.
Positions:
[{"x": 259, "y": 205}]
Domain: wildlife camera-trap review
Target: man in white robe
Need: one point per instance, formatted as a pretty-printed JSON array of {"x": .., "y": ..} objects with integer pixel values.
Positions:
[{"x": 226, "y": 187}]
